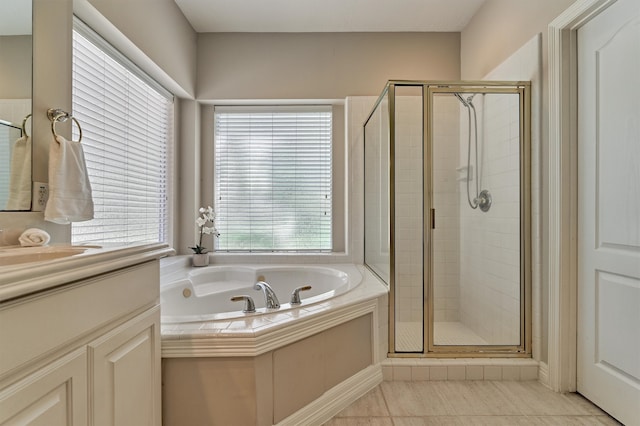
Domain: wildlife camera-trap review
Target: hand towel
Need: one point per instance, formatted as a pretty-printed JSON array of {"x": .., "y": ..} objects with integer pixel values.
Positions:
[
  {"x": 34, "y": 237},
  {"x": 69, "y": 188},
  {"x": 20, "y": 175}
]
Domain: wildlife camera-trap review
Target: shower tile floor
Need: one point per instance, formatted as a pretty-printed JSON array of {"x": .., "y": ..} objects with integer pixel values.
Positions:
[
  {"x": 409, "y": 335},
  {"x": 469, "y": 403}
]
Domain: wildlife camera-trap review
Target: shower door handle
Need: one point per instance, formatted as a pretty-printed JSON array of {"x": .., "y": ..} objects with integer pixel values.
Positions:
[{"x": 433, "y": 218}]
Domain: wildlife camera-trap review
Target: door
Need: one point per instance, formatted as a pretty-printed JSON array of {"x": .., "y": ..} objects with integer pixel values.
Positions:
[{"x": 609, "y": 211}]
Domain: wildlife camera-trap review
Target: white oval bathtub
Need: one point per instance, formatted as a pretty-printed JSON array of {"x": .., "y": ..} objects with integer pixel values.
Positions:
[{"x": 203, "y": 294}]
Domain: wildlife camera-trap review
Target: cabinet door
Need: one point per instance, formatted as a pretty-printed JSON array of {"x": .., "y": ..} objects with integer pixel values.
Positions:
[
  {"x": 54, "y": 395},
  {"x": 126, "y": 373}
]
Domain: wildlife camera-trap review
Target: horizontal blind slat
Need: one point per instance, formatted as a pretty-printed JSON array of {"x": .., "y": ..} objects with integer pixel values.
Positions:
[
  {"x": 273, "y": 178},
  {"x": 127, "y": 128}
]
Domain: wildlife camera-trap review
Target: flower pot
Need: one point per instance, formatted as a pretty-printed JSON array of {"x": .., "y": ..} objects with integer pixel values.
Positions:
[{"x": 200, "y": 259}]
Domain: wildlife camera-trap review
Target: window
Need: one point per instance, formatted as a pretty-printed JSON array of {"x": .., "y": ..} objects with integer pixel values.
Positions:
[
  {"x": 272, "y": 178},
  {"x": 127, "y": 122}
]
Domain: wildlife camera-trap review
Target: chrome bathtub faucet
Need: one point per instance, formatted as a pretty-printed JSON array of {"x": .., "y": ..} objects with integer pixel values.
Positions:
[
  {"x": 269, "y": 294},
  {"x": 249, "y": 306},
  {"x": 295, "y": 296}
]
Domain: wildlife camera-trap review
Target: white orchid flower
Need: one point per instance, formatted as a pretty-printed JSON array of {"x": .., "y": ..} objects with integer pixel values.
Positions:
[{"x": 207, "y": 215}]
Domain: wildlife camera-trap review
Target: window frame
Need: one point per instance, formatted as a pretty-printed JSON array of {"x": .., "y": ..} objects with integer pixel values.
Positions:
[
  {"x": 226, "y": 118},
  {"x": 339, "y": 252},
  {"x": 169, "y": 176}
]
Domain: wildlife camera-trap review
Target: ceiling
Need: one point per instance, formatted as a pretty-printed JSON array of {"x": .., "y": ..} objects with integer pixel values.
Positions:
[{"x": 328, "y": 15}]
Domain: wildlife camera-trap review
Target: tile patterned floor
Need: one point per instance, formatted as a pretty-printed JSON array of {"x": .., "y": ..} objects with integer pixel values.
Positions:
[
  {"x": 455, "y": 333},
  {"x": 469, "y": 403}
]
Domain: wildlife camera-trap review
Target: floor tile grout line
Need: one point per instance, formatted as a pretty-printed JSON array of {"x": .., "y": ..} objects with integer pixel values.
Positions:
[
  {"x": 386, "y": 405},
  {"x": 521, "y": 390}
]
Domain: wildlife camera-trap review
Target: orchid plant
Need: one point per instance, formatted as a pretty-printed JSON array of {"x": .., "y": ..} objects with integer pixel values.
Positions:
[{"x": 206, "y": 216}]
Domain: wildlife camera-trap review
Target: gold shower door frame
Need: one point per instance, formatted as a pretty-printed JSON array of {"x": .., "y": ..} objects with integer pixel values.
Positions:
[{"x": 429, "y": 88}]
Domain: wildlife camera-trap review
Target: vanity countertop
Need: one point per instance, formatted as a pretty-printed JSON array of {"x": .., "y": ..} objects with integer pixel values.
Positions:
[{"x": 31, "y": 277}]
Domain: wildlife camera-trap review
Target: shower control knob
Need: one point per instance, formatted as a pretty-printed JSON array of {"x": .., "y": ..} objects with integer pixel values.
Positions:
[{"x": 484, "y": 200}]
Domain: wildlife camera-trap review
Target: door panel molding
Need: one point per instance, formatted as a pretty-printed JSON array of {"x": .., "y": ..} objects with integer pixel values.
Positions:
[{"x": 561, "y": 253}]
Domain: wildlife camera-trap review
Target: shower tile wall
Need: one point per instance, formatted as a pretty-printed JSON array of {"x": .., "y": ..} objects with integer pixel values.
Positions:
[
  {"x": 489, "y": 242},
  {"x": 525, "y": 64},
  {"x": 446, "y": 235},
  {"x": 357, "y": 109},
  {"x": 409, "y": 209},
  {"x": 376, "y": 197}
]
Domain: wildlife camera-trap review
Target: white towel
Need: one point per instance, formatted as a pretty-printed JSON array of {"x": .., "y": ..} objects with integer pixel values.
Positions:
[
  {"x": 20, "y": 175},
  {"x": 34, "y": 237},
  {"x": 69, "y": 188}
]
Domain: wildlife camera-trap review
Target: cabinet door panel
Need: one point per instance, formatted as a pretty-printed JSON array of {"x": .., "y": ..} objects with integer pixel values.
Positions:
[
  {"x": 126, "y": 368},
  {"x": 54, "y": 395}
]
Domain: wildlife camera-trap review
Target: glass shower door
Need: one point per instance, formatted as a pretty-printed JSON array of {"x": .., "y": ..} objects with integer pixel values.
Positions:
[
  {"x": 477, "y": 287},
  {"x": 408, "y": 196}
]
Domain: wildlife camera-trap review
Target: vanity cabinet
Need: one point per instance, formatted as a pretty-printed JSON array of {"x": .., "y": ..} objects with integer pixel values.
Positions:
[
  {"x": 126, "y": 378},
  {"x": 53, "y": 395},
  {"x": 87, "y": 352}
]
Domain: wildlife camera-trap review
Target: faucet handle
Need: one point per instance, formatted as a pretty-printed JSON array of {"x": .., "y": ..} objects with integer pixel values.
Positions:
[
  {"x": 249, "y": 306},
  {"x": 295, "y": 296}
]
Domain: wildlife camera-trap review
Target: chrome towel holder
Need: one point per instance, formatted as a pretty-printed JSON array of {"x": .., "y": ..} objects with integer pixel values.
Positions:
[
  {"x": 24, "y": 125},
  {"x": 57, "y": 115}
]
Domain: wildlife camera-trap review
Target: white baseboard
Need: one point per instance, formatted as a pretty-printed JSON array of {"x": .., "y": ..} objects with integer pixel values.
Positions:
[{"x": 336, "y": 399}]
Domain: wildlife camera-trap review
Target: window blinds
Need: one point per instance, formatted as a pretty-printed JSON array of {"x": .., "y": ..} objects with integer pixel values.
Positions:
[
  {"x": 126, "y": 132},
  {"x": 273, "y": 178}
]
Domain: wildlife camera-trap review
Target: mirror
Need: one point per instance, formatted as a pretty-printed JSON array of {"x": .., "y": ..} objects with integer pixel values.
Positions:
[{"x": 15, "y": 104}]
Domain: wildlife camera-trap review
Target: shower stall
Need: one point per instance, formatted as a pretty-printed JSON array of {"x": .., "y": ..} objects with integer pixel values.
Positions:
[{"x": 447, "y": 216}]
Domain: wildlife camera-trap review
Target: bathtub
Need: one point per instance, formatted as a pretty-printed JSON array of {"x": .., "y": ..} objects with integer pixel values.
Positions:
[
  {"x": 204, "y": 294},
  {"x": 201, "y": 329}
]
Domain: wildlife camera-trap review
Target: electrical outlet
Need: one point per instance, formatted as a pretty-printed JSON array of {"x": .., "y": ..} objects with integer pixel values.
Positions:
[{"x": 40, "y": 195}]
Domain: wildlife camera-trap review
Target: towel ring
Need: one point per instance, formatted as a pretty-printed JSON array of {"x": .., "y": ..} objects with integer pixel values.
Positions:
[
  {"x": 24, "y": 125},
  {"x": 57, "y": 117}
]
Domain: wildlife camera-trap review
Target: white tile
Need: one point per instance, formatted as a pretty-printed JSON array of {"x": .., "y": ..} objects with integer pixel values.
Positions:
[
  {"x": 492, "y": 372},
  {"x": 401, "y": 372},
  {"x": 456, "y": 372},
  {"x": 510, "y": 372},
  {"x": 387, "y": 373},
  {"x": 474, "y": 372},
  {"x": 529, "y": 372},
  {"x": 438, "y": 373},
  {"x": 419, "y": 373}
]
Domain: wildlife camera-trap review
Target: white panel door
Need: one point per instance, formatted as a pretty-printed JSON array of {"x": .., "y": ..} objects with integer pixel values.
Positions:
[{"x": 609, "y": 211}]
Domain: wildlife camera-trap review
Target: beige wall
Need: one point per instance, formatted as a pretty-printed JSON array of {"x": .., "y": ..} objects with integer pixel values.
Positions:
[
  {"x": 319, "y": 65},
  {"x": 15, "y": 67},
  {"x": 497, "y": 30},
  {"x": 155, "y": 29}
]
